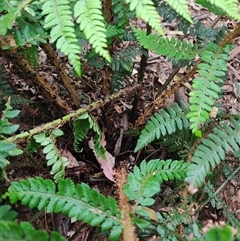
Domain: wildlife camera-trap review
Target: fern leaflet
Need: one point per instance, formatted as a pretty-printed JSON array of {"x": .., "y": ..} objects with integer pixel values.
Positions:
[
  {"x": 53, "y": 157},
  {"x": 229, "y": 7},
  {"x": 213, "y": 150},
  {"x": 90, "y": 18},
  {"x": 146, "y": 10},
  {"x": 206, "y": 86},
  {"x": 78, "y": 201},
  {"x": 59, "y": 19},
  {"x": 11, "y": 230},
  {"x": 166, "y": 122},
  {"x": 172, "y": 48},
  {"x": 144, "y": 182},
  {"x": 181, "y": 7}
]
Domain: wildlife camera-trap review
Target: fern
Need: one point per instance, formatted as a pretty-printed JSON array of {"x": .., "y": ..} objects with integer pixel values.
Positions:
[
  {"x": 206, "y": 87},
  {"x": 172, "y": 48},
  {"x": 81, "y": 126},
  {"x": 181, "y": 7},
  {"x": 6, "y": 128},
  {"x": 53, "y": 157},
  {"x": 6, "y": 214},
  {"x": 146, "y": 10},
  {"x": 74, "y": 201},
  {"x": 213, "y": 150},
  {"x": 144, "y": 182},
  {"x": 59, "y": 19},
  {"x": 25, "y": 231},
  {"x": 91, "y": 22},
  {"x": 13, "y": 11},
  {"x": 220, "y": 6},
  {"x": 166, "y": 122}
]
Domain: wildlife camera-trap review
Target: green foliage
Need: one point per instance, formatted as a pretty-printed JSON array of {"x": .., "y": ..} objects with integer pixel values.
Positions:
[
  {"x": 144, "y": 182},
  {"x": 78, "y": 201},
  {"x": 172, "y": 48},
  {"x": 219, "y": 234},
  {"x": 206, "y": 87},
  {"x": 6, "y": 128},
  {"x": 212, "y": 151},
  {"x": 81, "y": 126},
  {"x": 218, "y": 7},
  {"x": 181, "y": 7},
  {"x": 6, "y": 214},
  {"x": 25, "y": 231},
  {"x": 59, "y": 19},
  {"x": 53, "y": 156},
  {"x": 166, "y": 122},
  {"x": 145, "y": 10}
]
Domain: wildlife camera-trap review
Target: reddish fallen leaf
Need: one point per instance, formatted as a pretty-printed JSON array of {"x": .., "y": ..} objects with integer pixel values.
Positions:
[{"x": 108, "y": 164}]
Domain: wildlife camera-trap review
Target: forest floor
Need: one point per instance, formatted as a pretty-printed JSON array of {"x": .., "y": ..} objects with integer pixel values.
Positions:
[{"x": 114, "y": 118}]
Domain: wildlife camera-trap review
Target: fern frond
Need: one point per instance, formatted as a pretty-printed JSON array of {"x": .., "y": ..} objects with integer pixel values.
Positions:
[
  {"x": 91, "y": 22},
  {"x": 213, "y": 150},
  {"x": 172, "y": 48},
  {"x": 13, "y": 10},
  {"x": 59, "y": 19},
  {"x": 228, "y": 7},
  {"x": 144, "y": 182},
  {"x": 206, "y": 87},
  {"x": 6, "y": 213},
  {"x": 166, "y": 122},
  {"x": 53, "y": 157},
  {"x": 25, "y": 231},
  {"x": 78, "y": 201},
  {"x": 81, "y": 127},
  {"x": 146, "y": 10},
  {"x": 181, "y": 7}
]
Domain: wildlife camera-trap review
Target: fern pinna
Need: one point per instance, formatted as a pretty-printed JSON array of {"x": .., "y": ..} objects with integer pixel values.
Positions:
[
  {"x": 212, "y": 150},
  {"x": 172, "y": 48},
  {"x": 78, "y": 201},
  {"x": 207, "y": 85},
  {"x": 166, "y": 122}
]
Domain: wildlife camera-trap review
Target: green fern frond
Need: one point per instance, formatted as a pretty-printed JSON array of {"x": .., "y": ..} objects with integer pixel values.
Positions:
[
  {"x": 59, "y": 19},
  {"x": 172, "y": 48},
  {"x": 228, "y": 7},
  {"x": 25, "y": 231},
  {"x": 144, "y": 182},
  {"x": 6, "y": 213},
  {"x": 181, "y": 7},
  {"x": 6, "y": 128},
  {"x": 91, "y": 22},
  {"x": 146, "y": 10},
  {"x": 207, "y": 86},
  {"x": 53, "y": 157},
  {"x": 166, "y": 122},
  {"x": 81, "y": 126},
  {"x": 213, "y": 150},
  {"x": 13, "y": 10},
  {"x": 78, "y": 201}
]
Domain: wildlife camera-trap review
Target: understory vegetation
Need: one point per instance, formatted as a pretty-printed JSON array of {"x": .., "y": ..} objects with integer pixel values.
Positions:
[{"x": 76, "y": 132}]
